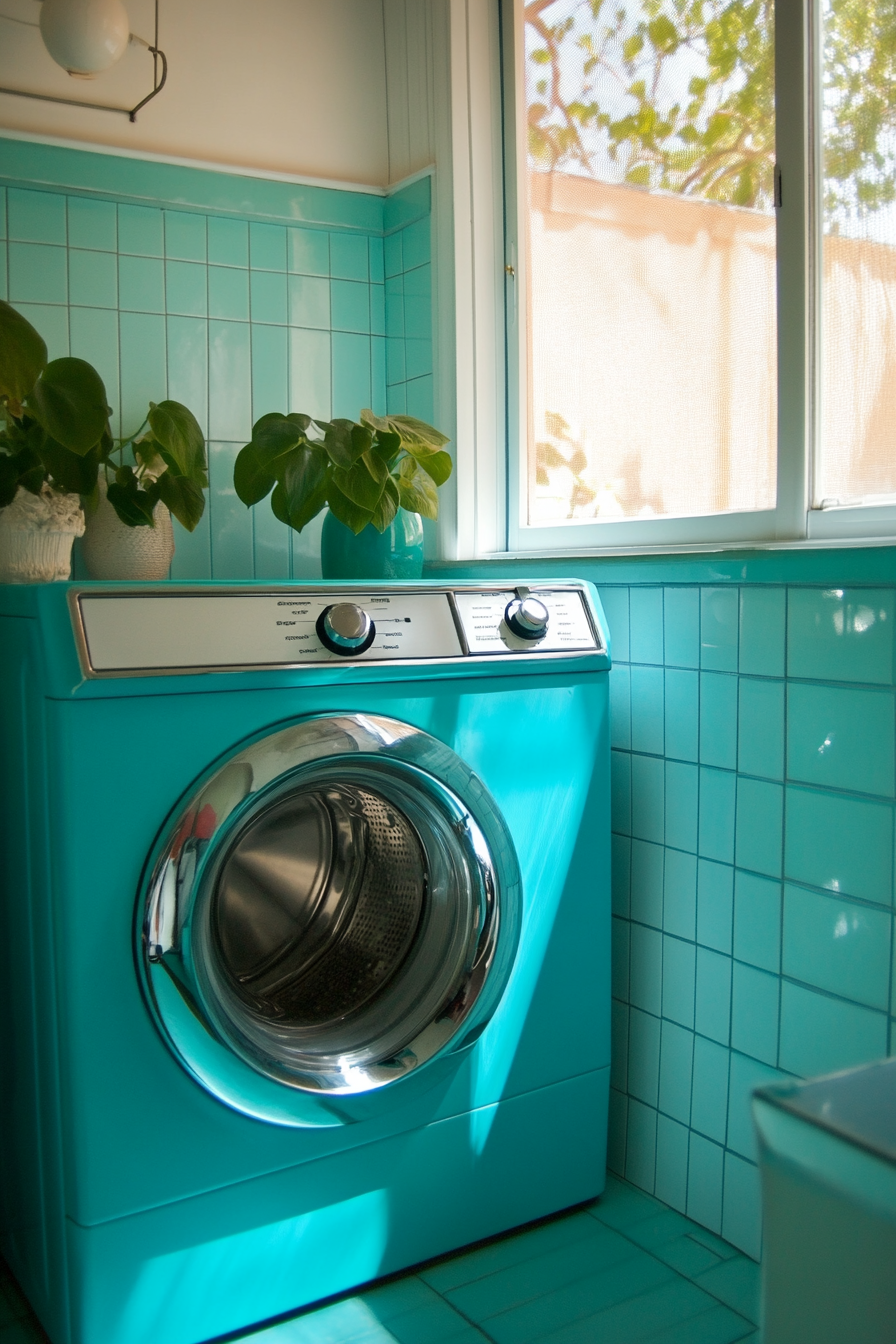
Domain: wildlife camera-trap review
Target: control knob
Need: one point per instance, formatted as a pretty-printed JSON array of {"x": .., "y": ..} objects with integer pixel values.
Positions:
[
  {"x": 346, "y": 629},
  {"x": 527, "y": 617}
]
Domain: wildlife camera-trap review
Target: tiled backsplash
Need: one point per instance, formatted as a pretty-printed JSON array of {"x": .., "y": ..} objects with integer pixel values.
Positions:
[{"x": 234, "y": 316}]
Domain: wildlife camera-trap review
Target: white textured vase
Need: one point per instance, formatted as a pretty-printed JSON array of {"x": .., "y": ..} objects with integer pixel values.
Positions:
[
  {"x": 112, "y": 550},
  {"x": 36, "y": 536}
]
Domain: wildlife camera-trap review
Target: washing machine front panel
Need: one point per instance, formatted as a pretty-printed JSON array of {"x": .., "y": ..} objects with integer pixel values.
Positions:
[{"x": 334, "y": 906}]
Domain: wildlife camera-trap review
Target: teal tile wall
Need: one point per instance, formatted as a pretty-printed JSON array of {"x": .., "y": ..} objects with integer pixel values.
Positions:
[
  {"x": 753, "y": 762},
  {"x": 235, "y": 316}
]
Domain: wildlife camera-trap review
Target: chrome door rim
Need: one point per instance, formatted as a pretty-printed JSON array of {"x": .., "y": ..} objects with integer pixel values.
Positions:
[{"x": 268, "y": 1072}]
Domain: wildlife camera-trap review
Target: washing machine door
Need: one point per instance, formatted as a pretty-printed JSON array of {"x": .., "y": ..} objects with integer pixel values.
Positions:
[{"x": 335, "y": 906}]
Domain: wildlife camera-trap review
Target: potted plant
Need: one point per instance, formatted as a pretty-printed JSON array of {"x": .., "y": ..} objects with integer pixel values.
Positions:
[
  {"x": 57, "y": 454},
  {"x": 376, "y": 477}
]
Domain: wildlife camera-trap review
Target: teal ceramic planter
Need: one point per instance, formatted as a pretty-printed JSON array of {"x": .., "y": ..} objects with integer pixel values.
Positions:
[{"x": 396, "y": 553}]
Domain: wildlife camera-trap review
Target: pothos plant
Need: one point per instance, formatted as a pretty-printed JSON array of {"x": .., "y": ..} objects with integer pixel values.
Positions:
[
  {"x": 54, "y": 430},
  {"x": 363, "y": 471}
]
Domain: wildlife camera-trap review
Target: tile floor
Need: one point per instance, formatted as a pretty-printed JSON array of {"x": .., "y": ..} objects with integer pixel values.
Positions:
[{"x": 624, "y": 1269}]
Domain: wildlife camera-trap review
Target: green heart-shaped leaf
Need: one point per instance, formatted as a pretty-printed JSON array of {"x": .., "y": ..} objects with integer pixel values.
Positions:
[
  {"x": 253, "y": 477},
  {"x": 183, "y": 497},
  {"x": 69, "y": 400},
  {"x": 438, "y": 466},
  {"x": 359, "y": 486},
  {"x": 23, "y": 356},
  {"x": 303, "y": 484},
  {"x": 176, "y": 429},
  {"x": 387, "y": 507},
  {"x": 74, "y": 474},
  {"x": 417, "y": 490},
  {"x": 409, "y": 429},
  {"x": 340, "y": 443},
  {"x": 348, "y": 513},
  {"x": 133, "y": 506}
]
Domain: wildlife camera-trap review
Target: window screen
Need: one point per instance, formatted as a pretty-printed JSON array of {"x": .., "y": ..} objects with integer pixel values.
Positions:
[{"x": 651, "y": 246}]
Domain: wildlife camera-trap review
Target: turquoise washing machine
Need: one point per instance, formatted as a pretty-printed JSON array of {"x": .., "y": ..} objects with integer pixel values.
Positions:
[{"x": 306, "y": 909}]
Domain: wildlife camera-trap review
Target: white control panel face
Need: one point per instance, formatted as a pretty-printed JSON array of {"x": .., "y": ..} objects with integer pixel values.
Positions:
[{"x": 486, "y": 631}]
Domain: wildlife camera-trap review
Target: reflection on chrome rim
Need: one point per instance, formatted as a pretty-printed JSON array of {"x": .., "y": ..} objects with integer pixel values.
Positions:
[{"x": 334, "y": 906}]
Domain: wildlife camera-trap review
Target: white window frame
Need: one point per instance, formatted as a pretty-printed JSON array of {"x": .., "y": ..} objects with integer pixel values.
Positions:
[{"x": 490, "y": 338}]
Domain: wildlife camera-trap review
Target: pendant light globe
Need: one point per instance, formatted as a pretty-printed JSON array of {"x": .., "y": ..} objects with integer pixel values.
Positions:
[{"x": 85, "y": 37}]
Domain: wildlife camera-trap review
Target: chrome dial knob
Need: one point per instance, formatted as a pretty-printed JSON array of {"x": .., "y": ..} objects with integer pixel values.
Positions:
[
  {"x": 345, "y": 629},
  {"x": 527, "y": 617}
]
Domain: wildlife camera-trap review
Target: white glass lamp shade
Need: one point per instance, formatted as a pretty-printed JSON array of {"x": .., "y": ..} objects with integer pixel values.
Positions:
[{"x": 85, "y": 37}]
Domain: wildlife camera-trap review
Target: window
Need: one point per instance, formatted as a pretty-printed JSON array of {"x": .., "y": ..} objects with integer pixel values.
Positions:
[{"x": 701, "y": 313}]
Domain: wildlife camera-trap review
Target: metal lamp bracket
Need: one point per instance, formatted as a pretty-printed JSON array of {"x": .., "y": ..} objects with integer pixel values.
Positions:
[{"x": 160, "y": 75}]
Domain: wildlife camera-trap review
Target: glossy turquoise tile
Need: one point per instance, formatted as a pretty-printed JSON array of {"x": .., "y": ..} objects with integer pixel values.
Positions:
[
  {"x": 416, "y": 244},
  {"x": 36, "y": 216},
  {"x": 140, "y": 231},
  {"x": 671, "y": 1181},
  {"x": 350, "y": 1320},
  {"x": 37, "y": 273},
  {"x": 2, "y": 212},
  {"x": 621, "y": 869},
  {"x": 621, "y": 935},
  {"x": 231, "y": 521},
  {"x": 841, "y": 634},
  {"x": 681, "y": 623},
  {"x": 396, "y": 370},
  {"x": 712, "y": 996},
  {"x": 4, "y": 289},
  {"x": 394, "y": 295},
  {"x": 646, "y": 986},
  {"x": 270, "y": 371},
  {"x": 418, "y": 285},
  {"x": 144, "y": 365},
  {"x": 392, "y": 254},
  {"x": 760, "y": 733},
  {"x": 647, "y": 883},
  {"x": 185, "y": 236},
  {"x": 192, "y": 550},
  {"x": 617, "y": 1124},
  {"x": 411, "y": 202},
  {"x": 186, "y": 288},
  {"x": 676, "y": 1307},
  {"x": 378, "y": 378},
  {"x": 680, "y": 894},
  {"x": 676, "y": 1071},
  {"x": 621, "y": 1206},
  {"x": 679, "y": 981},
  {"x": 268, "y": 297},
  {"x": 681, "y": 790},
  {"x": 760, "y": 826},
  {"x": 418, "y": 358},
  {"x": 621, "y": 707},
  {"x": 187, "y": 345},
  {"x": 746, "y": 1074},
  {"x": 648, "y": 820},
  {"x": 141, "y": 284},
  {"x": 757, "y": 921},
  {"x": 309, "y": 301},
  {"x": 736, "y": 1283},
  {"x": 350, "y": 306},
  {"x": 417, "y": 317},
  {"x": 396, "y": 399},
  {"x": 820, "y": 1034},
  {"x": 763, "y": 614},
  {"x": 842, "y": 843},
  {"x": 228, "y": 293},
  {"x": 94, "y": 337},
  {"x": 228, "y": 242},
  {"x": 646, "y": 620},
  {"x": 640, "y": 1145},
  {"x": 92, "y": 279},
  {"x": 351, "y": 374},
  {"x": 842, "y": 737},
  {"x": 375, "y": 254},
  {"x": 705, "y": 1170},
  {"x": 420, "y": 395},
  {"x": 644, "y": 1057},
  {"x": 349, "y": 256},
  {"x": 309, "y": 372},
  {"x": 229, "y": 383},
  {"x": 719, "y": 629},
  {"x": 754, "y": 1013},
  {"x": 308, "y": 251},
  {"x": 92, "y": 224},
  {"x": 718, "y": 720},
  {"x": 838, "y": 945},
  {"x": 51, "y": 321},
  {"x": 717, "y": 797},
  {"x": 437, "y": 1323},
  {"x": 682, "y": 712},
  {"x": 619, "y": 1017},
  {"x": 378, "y": 310},
  {"x": 616, "y": 609},
  {"x": 709, "y": 1089},
  {"x": 647, "y": 685},
  {"x": 267, "y": 247},
  {"x": 715, "y": 905},
  {"x": 621, "y": 791}
]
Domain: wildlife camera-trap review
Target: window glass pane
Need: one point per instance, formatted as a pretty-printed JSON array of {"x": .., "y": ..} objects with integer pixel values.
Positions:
[
  {"x": 651, "y": 245},
  {"x": 857, "y": 459}
]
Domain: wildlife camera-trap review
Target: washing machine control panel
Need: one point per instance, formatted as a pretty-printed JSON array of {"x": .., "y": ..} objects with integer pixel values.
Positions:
[{"x": 192, "y": 630}]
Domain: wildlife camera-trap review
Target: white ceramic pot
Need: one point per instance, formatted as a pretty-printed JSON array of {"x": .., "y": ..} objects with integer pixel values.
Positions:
[
  {"x": 112, "y": 550},
  {"x": 36, "y": 536}
]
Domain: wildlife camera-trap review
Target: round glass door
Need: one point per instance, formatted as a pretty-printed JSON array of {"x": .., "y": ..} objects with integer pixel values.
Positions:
[{"x": 336, "y": 905}]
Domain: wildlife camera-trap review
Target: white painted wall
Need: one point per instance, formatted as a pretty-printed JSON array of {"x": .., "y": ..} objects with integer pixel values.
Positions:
[{"x": 293, "y": 86}]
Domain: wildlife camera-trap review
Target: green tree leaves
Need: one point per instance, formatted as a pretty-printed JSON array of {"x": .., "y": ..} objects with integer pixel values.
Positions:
[
  {"x": 364, "y": 471},
  {"x": 23, "y": 357}
]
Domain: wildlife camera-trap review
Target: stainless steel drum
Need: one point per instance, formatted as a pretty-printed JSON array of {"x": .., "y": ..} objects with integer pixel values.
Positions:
[{"x": 334, "y": 906}]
